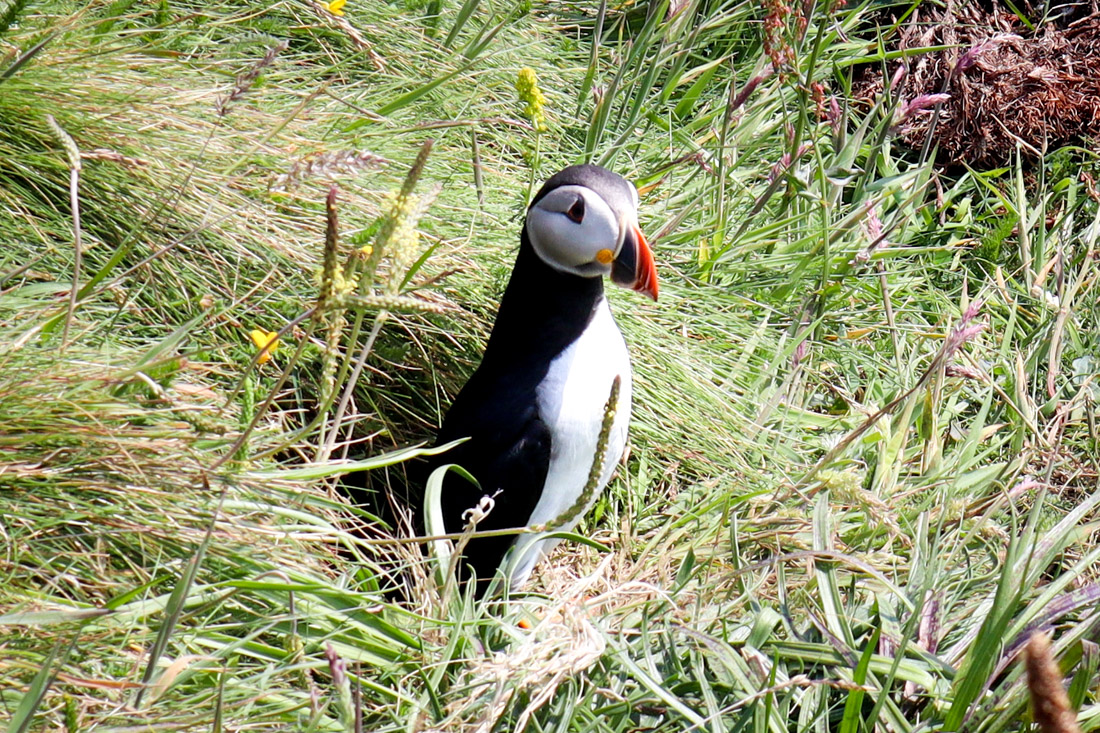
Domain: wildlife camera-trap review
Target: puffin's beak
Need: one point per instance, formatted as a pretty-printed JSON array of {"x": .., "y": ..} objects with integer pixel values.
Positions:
[{"x": 634, "y": 267}]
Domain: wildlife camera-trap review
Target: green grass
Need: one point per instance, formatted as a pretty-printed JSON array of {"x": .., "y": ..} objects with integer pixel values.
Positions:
[{"x": 841, "y": 510}]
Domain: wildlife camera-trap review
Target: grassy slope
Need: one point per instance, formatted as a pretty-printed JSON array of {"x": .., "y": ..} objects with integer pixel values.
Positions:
[{"x": 743, "y": 588}]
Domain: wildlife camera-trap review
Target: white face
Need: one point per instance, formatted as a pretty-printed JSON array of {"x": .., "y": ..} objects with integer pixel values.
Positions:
[{"x": 574, "y": 230}]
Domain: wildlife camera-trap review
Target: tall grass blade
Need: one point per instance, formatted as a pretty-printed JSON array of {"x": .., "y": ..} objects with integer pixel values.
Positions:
[{"x": 23, "y": 717}]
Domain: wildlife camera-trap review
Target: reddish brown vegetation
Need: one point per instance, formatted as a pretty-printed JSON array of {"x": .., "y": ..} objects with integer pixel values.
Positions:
[{"x": 1010, "y": 87}]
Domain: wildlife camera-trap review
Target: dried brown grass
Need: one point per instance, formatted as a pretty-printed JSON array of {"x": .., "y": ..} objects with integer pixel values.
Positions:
[{"x": 1009, "y": 87}]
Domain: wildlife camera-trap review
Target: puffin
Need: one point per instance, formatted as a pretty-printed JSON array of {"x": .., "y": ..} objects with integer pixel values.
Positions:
[{"x": 532, "y": 411}]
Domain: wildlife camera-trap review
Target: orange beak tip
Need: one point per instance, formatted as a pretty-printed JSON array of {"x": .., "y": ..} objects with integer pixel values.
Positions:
[{"x": 646, "y": 282}]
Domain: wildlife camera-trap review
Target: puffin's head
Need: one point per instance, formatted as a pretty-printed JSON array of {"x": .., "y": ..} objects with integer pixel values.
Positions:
[{"x": 584, "y": 221}]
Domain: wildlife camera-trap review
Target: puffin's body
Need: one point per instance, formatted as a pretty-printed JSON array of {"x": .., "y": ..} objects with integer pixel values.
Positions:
[{"x": 532, "y": 411}]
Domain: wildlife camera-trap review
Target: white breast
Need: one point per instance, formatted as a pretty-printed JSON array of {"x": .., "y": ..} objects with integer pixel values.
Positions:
[{"x": 571, "y": 400}]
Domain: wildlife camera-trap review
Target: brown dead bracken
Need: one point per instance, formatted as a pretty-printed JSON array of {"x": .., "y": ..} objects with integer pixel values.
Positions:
[
  {"x": 1010, "y": 87},
  {"x": 1049, "y": 702}
]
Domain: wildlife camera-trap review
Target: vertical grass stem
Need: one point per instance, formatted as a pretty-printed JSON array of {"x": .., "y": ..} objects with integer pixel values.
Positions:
[{"x": 72, "y": 152}]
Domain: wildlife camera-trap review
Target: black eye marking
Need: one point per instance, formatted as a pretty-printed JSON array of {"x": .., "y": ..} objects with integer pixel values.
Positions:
[{"x": 576, "y": 211}]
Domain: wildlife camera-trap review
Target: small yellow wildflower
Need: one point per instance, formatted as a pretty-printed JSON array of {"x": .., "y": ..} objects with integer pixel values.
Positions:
[
  {"x": 527, "y": 84},
  {"x": 336, "y": 7},
  {"x": 266, "y": 341}
]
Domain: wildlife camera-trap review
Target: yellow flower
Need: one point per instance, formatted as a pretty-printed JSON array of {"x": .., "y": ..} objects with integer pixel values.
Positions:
[
  {"x": 266, "y": 341},
  {"x": 527, "y": 84},
  {"x": 336, "y": 7}
]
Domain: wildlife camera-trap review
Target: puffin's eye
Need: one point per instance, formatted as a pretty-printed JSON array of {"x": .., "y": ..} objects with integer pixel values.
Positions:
[{"x": 576, "y": 211}]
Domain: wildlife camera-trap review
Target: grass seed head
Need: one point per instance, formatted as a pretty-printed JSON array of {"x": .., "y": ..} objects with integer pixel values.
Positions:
[
  {"x": 326, "y": 167},
  {"x": 1049, "y": 702},
  {"x": 246, "y": 80},
  {"x": 67, "y": 142}
]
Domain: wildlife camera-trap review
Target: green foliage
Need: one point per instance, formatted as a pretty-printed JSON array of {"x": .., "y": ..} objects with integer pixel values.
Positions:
[
  {"x": 989, "y": 249},
  {"x": 11, "y": 13},
  {"x": 864, "y": 436}
]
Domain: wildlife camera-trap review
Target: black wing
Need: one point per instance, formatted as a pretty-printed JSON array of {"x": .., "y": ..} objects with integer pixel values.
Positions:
[{"x": 508, "y": 451}]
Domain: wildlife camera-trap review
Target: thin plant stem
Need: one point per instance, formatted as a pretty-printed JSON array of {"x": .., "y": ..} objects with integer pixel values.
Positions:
[
  {"x": 72, "y": 152},
  {"x": 349, "y": 387}
]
